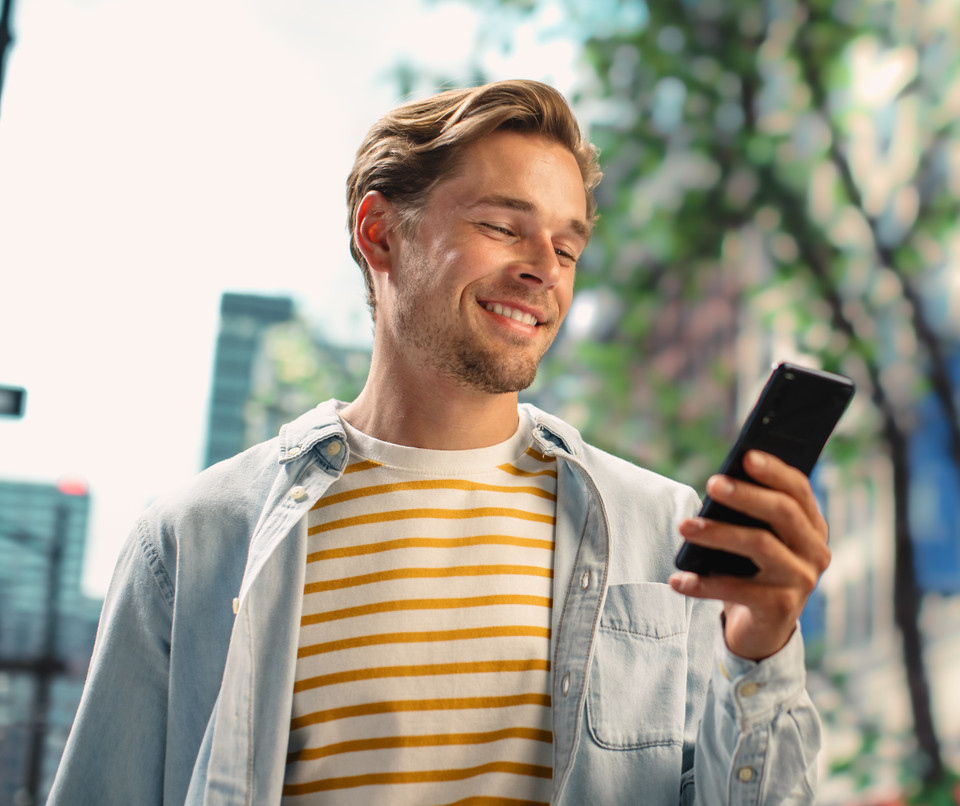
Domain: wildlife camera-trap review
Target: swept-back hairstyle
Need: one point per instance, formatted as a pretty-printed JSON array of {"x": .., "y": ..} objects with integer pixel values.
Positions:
[{"x": 409, "y": 150}]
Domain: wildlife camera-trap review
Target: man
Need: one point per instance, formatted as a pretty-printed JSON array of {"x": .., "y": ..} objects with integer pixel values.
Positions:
[{"x": 440, "y": 596}]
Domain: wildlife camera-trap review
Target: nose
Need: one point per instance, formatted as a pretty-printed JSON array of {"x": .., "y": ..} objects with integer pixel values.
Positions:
[{"x": 539, "y": 265}]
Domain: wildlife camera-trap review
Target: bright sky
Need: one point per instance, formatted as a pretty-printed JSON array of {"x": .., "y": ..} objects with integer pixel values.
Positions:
[{"x": 154, "y": 154}]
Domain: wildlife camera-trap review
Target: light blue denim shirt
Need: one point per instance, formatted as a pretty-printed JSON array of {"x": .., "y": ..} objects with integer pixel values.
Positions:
[{"x": 188, "y": 702}]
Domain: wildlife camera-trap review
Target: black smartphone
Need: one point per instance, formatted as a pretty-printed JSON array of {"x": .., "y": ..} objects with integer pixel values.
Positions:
[{"x": 792, "y": 419}]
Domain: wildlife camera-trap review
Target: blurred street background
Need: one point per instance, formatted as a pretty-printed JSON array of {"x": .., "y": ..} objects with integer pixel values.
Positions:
[{"x": 782, "y": 182}]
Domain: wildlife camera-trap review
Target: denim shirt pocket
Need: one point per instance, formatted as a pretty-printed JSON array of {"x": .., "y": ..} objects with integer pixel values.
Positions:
[{"x": 637, "y": 690}]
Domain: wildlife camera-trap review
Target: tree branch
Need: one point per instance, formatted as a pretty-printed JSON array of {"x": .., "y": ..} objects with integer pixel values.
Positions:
[{"x": 938, "y": 375}]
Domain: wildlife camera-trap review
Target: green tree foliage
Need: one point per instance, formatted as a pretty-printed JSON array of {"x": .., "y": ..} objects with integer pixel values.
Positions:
[
  {"x": 785, "y": 171},
  {"x": 297, "y": 369}
]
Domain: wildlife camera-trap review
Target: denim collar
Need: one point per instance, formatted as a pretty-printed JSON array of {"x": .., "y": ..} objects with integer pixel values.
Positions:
[
  {"x": 317, "y": 426},
  {"x": 553, "y": 435},
  {"x": 322, "y": 424}
]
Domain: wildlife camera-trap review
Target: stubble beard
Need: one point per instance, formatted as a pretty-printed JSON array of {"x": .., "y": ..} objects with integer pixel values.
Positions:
[
  {"x": 462, "y": 359},
  {"x": 461, "y": 356},
  {"x": 485, "y": 371}
]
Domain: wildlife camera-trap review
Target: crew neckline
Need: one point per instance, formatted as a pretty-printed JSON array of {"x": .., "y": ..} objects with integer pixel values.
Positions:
[{"x": 472, "y": 460}]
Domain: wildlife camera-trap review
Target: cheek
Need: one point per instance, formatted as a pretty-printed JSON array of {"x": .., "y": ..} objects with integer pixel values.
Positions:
[
  {"x": 565, "y": 295},
  {"x": 467, "y": 270}
]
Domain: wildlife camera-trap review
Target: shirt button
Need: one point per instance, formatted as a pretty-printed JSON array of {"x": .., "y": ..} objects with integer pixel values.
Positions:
[
  {"x": 565, "y": 684},
  {"x": 298, "y": 493},
  {"x": 236, "y": 605},
  {"x": 749, "y": 690},
  {"x": 745, "y": 774},
  {"x": 585, "y": 581},
  {"x": 333, "y": 448},
  {"x": 294, "y": 451}
]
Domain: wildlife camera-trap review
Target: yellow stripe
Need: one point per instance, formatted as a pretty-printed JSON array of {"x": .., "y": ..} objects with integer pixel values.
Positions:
[
  {"x": 438, "y": 740},
  {"x": 533, "y": 453},
  {"x": 425, "y": 604},
  {"x": 416, "y": 777},
  {"x": 398, "y": 706},
  {"x": 429, "y": 542},
  {"x": 513, "y": 470},
  {"x": 483, "y": 800},
  {"x": 446, "y": 514},
  {"x": 423, "y": 636},
  {"x": 428, "y": 484},
  {"x": 365, "y": 465},
  {"x": 426, "y": 573},
  {"x": 376, "y": 673}
]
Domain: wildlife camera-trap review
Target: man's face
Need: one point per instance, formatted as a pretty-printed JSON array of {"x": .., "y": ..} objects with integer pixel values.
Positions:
[{"x": 479, "y": 290}]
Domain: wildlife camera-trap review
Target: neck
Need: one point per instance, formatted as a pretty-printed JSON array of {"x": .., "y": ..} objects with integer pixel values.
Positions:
[{"x": 439, "y": 414}]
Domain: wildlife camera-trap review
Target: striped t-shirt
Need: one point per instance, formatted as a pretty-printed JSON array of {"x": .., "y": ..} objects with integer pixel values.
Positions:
[{"x": 423, "y": 671}]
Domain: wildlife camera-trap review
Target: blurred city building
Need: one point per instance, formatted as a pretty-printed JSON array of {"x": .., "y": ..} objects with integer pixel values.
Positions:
[
  {"x": 271, "y": 366},
  {"x": 244, "y": 318},
  {"x": 935, "y": 495},
  {"x": 47, "y": 630}
]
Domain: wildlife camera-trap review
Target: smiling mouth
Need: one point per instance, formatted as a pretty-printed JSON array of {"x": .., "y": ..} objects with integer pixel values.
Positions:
[{"x": 512, "y": 313}]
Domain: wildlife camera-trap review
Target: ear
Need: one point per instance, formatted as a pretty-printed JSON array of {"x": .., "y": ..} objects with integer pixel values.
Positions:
[{"x": 373, "y": 232}]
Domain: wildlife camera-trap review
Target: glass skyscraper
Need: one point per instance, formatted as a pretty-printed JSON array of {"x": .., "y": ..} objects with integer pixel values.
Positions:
[
  {"x": 47, "y": 630},
  {"x": 244, "y": 318}
]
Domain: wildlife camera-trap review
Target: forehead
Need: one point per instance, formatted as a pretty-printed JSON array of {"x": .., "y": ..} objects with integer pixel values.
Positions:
[{"x": 526, "y": 167}]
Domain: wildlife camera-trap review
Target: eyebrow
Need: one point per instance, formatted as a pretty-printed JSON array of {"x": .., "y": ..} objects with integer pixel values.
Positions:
[{"x": 579, "y": 226}]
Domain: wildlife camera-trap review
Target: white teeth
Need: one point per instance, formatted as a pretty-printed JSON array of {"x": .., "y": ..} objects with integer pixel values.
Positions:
[{"x": 510, "y": 313}]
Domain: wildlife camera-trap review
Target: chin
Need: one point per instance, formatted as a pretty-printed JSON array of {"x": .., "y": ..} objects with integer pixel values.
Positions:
[
  {"x": 493, "y": 368},
  {"x": 492, "y": 376}
]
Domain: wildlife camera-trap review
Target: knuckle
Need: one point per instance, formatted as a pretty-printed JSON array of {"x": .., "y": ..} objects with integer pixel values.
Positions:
[
  {"x": 809, "y": 578},
  {"x": 785, "y": 509},
  {"x": 766, "y": 543},
  {"x": 767, "y": 549},
  {"x": 822, "y": 559}
]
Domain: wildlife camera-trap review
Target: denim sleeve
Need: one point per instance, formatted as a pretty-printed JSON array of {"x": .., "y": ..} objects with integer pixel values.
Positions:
[
  {"x": 760, "y": 732},
  {"x": 115, "y": 752}
]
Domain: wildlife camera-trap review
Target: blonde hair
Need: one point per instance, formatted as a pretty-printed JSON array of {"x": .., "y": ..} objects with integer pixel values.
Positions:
[{"x": 410, "y": 149}]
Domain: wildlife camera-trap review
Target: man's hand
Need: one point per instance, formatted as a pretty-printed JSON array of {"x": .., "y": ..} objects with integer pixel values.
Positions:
[{"x": 761, "y": 611}]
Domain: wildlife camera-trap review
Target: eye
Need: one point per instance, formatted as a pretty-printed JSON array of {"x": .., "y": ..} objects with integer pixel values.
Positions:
[
  {"x": 564, "y": 255},
  {"x": 498, "y": 228}
]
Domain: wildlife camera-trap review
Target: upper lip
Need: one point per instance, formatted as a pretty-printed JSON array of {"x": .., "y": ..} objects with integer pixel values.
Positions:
[{"x": 536, "y": 313}]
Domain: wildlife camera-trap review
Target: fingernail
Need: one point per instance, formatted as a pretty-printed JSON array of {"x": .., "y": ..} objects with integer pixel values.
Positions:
[
  {"x": 757, "y": 459},
  {"x": 720, "y": 484},
  {"x": 683, "y": 581},
  {"x": 692, "y": 526}
]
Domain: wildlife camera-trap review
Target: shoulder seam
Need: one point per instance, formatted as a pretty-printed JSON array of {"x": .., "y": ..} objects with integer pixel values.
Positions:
[{"x": 159, "y": 571}]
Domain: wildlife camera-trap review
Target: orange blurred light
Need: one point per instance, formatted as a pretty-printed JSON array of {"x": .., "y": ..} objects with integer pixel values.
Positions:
[{"x": 72, "y": 486}]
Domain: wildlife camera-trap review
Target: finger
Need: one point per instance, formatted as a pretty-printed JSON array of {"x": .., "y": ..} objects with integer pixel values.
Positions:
[
  {"x": 797, "y": 525},
  {"x": 728, "y": 589},
  {"x": 776, "y": 604},
  {"x": 769, "y": 604},
  {"x": 768, "y": 470},
  {"x": 776, "y": 561}
]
